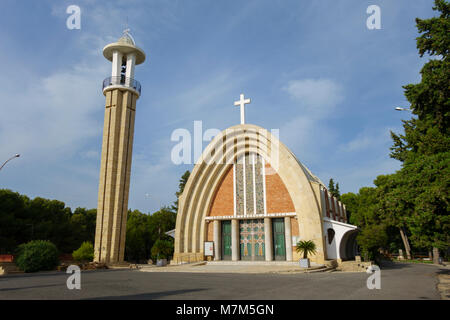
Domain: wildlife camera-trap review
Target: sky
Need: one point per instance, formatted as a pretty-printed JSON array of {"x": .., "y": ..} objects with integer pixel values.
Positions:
[{"x": 312, "y": 69}]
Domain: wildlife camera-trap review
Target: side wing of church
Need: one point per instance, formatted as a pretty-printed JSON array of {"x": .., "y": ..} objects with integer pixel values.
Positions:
[{"x": 252, "y": 198}]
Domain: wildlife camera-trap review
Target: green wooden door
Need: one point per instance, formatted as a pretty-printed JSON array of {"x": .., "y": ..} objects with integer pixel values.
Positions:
[
  {"x": 226, "y": 240},
  {"x": 279, "y": 245}
]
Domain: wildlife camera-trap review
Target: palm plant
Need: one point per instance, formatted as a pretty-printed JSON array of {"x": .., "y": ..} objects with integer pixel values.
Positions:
[{"x": 307, "y": 247}]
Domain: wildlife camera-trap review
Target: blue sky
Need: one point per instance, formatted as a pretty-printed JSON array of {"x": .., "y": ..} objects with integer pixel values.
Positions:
[{"x": 312, "y": 69}]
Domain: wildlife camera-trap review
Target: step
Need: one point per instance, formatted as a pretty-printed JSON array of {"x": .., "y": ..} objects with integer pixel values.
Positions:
[
  {"x": 256, "y": 263},
  {"x": 9, "y": 268}
]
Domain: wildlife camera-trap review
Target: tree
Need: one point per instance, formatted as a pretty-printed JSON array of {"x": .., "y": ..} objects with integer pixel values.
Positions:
[
  {"x": 83, "y": 223},
  {"x": 13, "y": 221},
  {"x": 334, "y": 189},
  {"x": 138, "y": 241},
  {"x": 365, "y": 212},
  {"x": 430, "y": 98},
  {"x": 429, "y": 184},
  {"x": 160, "y": 222},
  {"x": 23, "y": 220},
  {"x": 371, "y": 239},
  {"x": 337, "y": 192},
  {"x": 351, "y": 203},
  {"x": 395, "y": 205},
  {"x": 162, "y": 249},
  {"x": 331, "y": 185},
  {"x": 423, "y": 147},
  {"x": 182, "y": 183}
]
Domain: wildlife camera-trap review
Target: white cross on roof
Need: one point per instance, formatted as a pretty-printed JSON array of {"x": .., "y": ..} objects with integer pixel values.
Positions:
[{"x": 241, "y": 103}]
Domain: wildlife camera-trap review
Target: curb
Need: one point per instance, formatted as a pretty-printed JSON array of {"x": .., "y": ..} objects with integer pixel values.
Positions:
[{"x": 444, "y": 286}]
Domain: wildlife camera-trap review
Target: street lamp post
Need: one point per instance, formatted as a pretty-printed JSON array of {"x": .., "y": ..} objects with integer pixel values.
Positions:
[
  {"x": 403, "y": 109},
  {"x": 15, "y": 156}
]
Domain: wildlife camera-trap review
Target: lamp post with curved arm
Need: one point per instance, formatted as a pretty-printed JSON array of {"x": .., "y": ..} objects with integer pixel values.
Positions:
[
  {"x": 15, "y": 156},
  {"x": 402, "y": 109}
]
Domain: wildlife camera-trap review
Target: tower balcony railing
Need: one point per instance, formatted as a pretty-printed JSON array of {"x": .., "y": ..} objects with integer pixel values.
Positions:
[{"x": 122, "y": 81}]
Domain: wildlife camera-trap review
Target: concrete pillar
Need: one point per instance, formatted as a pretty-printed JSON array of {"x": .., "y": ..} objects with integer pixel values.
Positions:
[
  {"x": 235, "y": 240},
  {"x": 115, "y": 169},
  {"x": 288, "y": 238},
  {"x": 116, "y": 65},
  {"x": 217, "y": 244},
  {"x": 268, "y": 238},
  {"x": 131, "y": 59}
]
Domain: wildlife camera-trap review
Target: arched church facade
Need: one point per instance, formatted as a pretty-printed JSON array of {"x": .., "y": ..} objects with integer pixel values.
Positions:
[{"x": 251, "y": 198}]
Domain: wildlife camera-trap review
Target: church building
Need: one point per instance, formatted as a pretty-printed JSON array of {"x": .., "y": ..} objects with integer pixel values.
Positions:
[{"x": 249, "y": 198}]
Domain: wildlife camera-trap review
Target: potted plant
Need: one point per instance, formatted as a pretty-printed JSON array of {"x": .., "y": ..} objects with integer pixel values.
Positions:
[{"x": 306, "y": 247}]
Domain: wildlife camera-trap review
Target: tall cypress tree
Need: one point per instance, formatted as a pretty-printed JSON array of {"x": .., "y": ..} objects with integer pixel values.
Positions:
[
  {"x": 182, "y": 183},
  {"x": 333, "y": 189},
  {"x": 424, "y": 146}
]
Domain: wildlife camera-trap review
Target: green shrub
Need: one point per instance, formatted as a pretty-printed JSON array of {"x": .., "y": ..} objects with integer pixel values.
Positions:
[
  {"x": 162, "y": 249},
  {"x": 37, "y": 255},
  {"x": 85, "y": 252}
]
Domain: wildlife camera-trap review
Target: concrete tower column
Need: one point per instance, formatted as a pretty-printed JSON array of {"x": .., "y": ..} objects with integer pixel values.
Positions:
[
  {"x": 129, "y": 74},
  {"x": 268, "y": 239},
  {"x": 288, "y": 238},
  {"x": 217, "y": 246},
  {"x": 116, "y": 63},
  {"x": 117, "y": 149},
  {"x": 235, "y": 240}
]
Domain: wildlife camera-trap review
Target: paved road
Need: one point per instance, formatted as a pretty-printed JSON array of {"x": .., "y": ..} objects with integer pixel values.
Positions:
[{"x": 398, "y": 281}]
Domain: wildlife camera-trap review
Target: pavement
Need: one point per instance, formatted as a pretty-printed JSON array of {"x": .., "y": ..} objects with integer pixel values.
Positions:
[
  {"x": 234, "y": 267},
  {"x": 444, "y": 284},
  {"x": 398, "y": 281}
]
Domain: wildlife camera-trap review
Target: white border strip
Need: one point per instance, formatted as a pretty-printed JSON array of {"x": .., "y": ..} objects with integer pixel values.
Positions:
[
  {"x": 256, "y": 216},
  {"x": 264, "y": 182},
  {"x": 254, "y": 183},
  {"x": 234, "y": 188}
]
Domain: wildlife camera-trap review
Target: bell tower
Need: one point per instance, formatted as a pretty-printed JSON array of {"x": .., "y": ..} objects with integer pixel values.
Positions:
[{"x": 121, "y": 91}]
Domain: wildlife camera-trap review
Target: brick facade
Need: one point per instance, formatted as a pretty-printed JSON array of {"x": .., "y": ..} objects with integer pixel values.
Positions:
[
  {"x": 294, "y": 227},
  {"x": 222, "y": 204},
  {"x": 277, "y": 196},
  {"x": 210, "y": 231},
  {"x": 278, "y": 199}
]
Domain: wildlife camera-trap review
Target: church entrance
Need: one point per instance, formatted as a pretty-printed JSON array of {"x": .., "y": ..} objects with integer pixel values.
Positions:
[
  {"x": 251, "y": 239},
  {"x": 226, "y": 240},
  {"x": 279, "y": 244}
]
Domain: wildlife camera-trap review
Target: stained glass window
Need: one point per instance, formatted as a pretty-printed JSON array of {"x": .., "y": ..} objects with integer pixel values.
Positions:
[
  {"x": 251, "y": 239},
  {"x": 249, "y": 185}
]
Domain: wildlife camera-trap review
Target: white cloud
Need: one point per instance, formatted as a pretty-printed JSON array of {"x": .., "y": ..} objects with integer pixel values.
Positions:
[
  {"x": 369, "y": 139},
  {"x": 362, "y": 174},
  {"x": 153, "y": 183},
  {"x": 307, "y": 137},
  {"x": 357, "y": 162},
  {"x": 55, "y": 114},
  {"x": 307, "y": 134},
  {"x": 90, "y": 154},
  {"x": 317, "y": 97}
]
